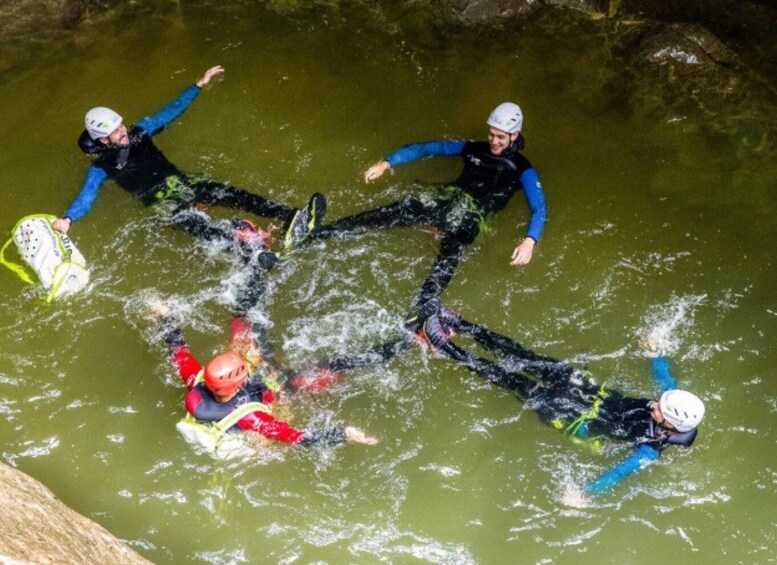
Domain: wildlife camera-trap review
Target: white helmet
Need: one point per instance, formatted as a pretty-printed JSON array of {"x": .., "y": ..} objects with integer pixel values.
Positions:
[
  {"x": 683, "y": 409},
  {"x": 506, "y": 117},
  {"x": 101, "y": 122}
]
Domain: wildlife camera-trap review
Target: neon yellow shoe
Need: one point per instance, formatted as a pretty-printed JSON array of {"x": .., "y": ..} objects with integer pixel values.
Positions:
[{"x": 305, "y": 222}]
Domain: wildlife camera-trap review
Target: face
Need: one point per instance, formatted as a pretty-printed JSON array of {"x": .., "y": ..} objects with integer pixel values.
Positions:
[
  {"x": 118, "y": 137},
  {"x": 499, "y": 140},
  {"x": 659, "y": 417},
  {"x": 222, "y": 398}
]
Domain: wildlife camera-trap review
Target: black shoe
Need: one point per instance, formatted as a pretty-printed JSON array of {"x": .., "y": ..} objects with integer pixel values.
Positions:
[
  {"x": 448, "y": 318},
  {"x": 436, "y": 332},
  {"x": 414, "y": 322},
  {"x": 305, "y": 222}
]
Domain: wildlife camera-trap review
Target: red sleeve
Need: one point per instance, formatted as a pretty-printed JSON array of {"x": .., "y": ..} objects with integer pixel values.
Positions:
[
  {"x": 192, "y": 401},
  {"x": 270, "y": 427},
  {"x": 188, "y": 367}
]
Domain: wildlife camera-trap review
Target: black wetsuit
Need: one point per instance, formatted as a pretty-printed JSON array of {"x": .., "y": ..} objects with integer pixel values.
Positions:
[
  {"x": 485, "y": 186},
  {"x": 143, "y": 170},
  {"x": 561, "y": 395}
]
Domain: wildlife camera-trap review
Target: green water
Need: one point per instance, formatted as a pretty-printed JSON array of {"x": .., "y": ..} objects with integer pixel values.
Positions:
[{"x": 654, "y": 227}]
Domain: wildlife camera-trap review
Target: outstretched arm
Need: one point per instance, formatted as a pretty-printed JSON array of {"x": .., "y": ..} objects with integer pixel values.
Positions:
[
  {"x": 270, "y": 427},
  {"x": 634, "y": 463},
  {"x": 662, "y": 372},
  {"x": 187, "y": 365},
  {"x": 155, "y": 123},
  {"x": 535, "y": 198},
  {"x": 83, "y": 202},
  {"x": 413, "y": 152}
]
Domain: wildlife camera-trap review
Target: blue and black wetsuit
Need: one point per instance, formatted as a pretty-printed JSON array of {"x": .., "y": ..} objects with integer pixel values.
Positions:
[
  {"x": 568, "y": 399},
  {"x": 485, "y": 186},
  {"x": 144, "y": 171}
]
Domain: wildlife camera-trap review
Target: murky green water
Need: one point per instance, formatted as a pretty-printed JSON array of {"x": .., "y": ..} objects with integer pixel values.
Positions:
[{"x": 653, "y": 227}]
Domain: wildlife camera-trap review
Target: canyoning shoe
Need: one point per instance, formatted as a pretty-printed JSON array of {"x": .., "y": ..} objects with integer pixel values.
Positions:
[
  {"x": 436, "y": 332},
  {"x": 305, "y": 222},
  {"x": 414, "y": 322},
  {"x": 449, "y": 319}
]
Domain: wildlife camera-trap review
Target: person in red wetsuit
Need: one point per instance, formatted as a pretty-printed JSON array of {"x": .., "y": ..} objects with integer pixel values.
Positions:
[
  {"x": 237, "y": 388},
  {"x": 224, "y": 386}
]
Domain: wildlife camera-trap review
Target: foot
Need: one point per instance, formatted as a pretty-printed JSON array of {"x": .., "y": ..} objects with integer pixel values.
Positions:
[
  {"x": 449, "y": 318},
  {"x": 436, "y": 332},
  {"x": 305, "y": 222},
  {"x": 414, "y": 322}
]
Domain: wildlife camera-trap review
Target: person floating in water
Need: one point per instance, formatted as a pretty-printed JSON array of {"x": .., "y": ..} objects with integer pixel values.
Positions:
[
  {"x": 569, "y": 400},
  {"x": 129, "y": 157},
  {"x": 236, "y": 389},
  {"x": 493, "y": 171}
]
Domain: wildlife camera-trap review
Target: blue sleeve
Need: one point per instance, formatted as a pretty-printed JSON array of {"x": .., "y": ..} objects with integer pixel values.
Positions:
[
  {"x": 153, "y": 124},
  {"x": 83, "y": 202},
  {"x": 634, "y": 463},
  {"x": 535, "y": 197},
  {"x": 663, "y": 374},
  {"x": 410, "y": 153}
]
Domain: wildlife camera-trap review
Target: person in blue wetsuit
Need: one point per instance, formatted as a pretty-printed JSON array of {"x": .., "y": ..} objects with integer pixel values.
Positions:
[
  {"x": 493, "y": 171},
  {"x": 570, "y": 400},
  {"x": 129, "y": 157}
]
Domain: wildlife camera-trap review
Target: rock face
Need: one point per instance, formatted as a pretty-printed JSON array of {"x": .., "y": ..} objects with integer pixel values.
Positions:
[{"x": 36, "y": 527}]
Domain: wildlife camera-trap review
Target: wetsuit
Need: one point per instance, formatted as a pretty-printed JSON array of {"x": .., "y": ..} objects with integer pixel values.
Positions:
[
  {"x": 485, "y": 186},
  {"x": 567, "y": 398},
  {"x": 201, "y": 403},
  {"x": 143, "y": 170}
]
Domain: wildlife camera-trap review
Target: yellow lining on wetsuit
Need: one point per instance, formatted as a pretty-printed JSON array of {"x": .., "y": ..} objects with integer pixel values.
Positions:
[
  {"x": 573, "y": 428},
  {"x": 452, "y": 191}
]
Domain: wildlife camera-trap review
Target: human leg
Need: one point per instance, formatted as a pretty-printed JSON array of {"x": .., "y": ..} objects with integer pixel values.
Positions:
[
  {"x": 513, "y": 381},
  {"x": 211, "y": 192},
  {"x": 546, "y": 369},
  {"x": 329, "y": 372},
  {"x": 460, "y": 231},
  {"x": 378, "y": 355},
  {"x": 405, "y": 212},
  {"x": 201, "y": 226}
]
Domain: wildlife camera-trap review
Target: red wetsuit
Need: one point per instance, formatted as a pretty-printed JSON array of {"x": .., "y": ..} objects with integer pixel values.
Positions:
[{"x": 201, "y": 403}]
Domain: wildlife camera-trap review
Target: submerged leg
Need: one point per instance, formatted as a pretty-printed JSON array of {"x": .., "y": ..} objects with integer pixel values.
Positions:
[
  {"x": 460, "y": 231},
  {"x": 201, "y": 226},
  {"x": 378, "y": 355}
]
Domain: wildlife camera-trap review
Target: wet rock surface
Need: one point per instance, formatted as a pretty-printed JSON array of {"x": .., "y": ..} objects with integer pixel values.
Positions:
[{"x": 36, "y": 527}]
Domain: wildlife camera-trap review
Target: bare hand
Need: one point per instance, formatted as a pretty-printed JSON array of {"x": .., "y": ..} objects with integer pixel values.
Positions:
[
  {"x": 651, "y": 346},
  {"x": 62, "y": 225},
  {"x": 575, "y": 498},
  {"x": 376, "y": 170},
  {"x": 209, "y": 74},
  {"x": 523, "y": 252},
  {"x": 159, "y": 308},
  {"x": 357, "y": 436}
]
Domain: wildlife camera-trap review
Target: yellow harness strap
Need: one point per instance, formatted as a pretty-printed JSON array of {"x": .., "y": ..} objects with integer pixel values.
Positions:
[{"x": 574, "y": 427}]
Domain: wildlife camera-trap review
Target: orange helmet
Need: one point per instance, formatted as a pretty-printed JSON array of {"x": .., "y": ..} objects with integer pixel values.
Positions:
[{"x": 225, "y": 373}]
